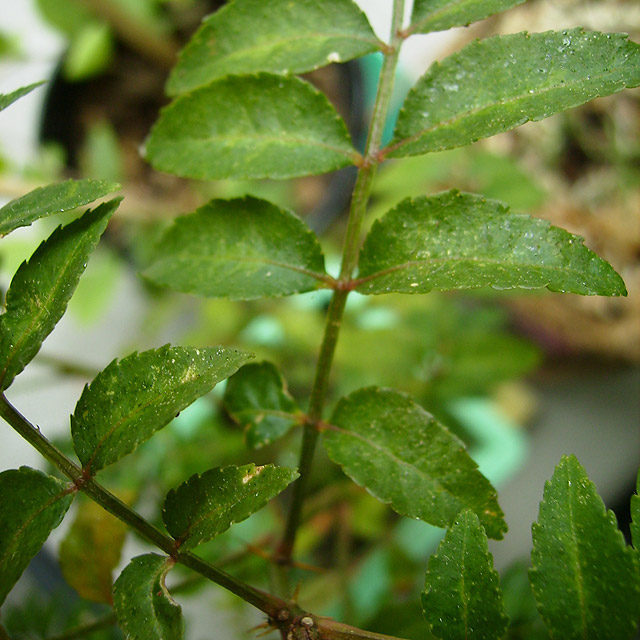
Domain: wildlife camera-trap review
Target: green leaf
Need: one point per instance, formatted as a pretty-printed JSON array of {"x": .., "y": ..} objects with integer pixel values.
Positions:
[
  {"x": 462, "y": 596},
  {"x": 32, "y": 504},
  {"x": 279, "y": 36},
  {"x": 262, "y": 126},
  {"x": 635, "y": 516},
  {"x": 256, "y": 398},
  {"x": 239, "y": 249},
  {"x": 53, "y": 198},
  {"x": 439, "y": 15},
  {"x": 143, "y": 606},
  {"x": 132, "y": 398},
  {"x": 208, "y": 504},
  {"x": 459, "y": 240},
  {"x": 9, "y": 98},
  {"x": 42, "y": 287},
  {"x": 583, "y": 575},
  {"x": 502, "y": 82},
  {"x": 389, "y": 444}
]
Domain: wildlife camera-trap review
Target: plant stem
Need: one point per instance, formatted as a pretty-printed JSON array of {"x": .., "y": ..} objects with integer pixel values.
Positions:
[
  {"x": 350, "y": 255},
  {"x": 83, "y": 630}
]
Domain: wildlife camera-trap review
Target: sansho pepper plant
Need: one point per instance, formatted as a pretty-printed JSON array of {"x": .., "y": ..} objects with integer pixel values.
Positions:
[{"x": 239, "y": 111}]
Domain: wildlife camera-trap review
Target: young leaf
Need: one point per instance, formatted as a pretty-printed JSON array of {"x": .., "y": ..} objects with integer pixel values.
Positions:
[
  {"x": 262, "y": 126},
  {"x": 499, "y": 83},
  {"x": 134, "y": 397},
  {"x": 635, "y": 516},
  {"x": 9, "y": 98},
  {"x": 239, "y": 249},
  {"x": 32, "y": 504},
  {"x": 144, "y": 607},
  {"x": 459, "y": 240},
  {"x": 256, "y": 398},
  {"x": 462, "y": 596},
  {"x": 279, "y": 36},
  {"x": 439, "y": 15},
  {"x": 389, "y": 444},
  {"x": 208, "y": 504},
  {"x": 42, "y": 287},
  {"x": 583, "y": 576},
  {"x": 53, "y": 198}
]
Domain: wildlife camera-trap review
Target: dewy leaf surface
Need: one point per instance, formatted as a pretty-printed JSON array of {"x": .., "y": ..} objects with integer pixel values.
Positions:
[
  {"x": 583, "y": 575},
  {"x": 208, "y": 504},
  {"x": 389, "y": 444},
  {"x": 32, "y": 504},
  {"x": 462, "y": 596},
  {"x": 54, "y": 198},
  {"x": 143, "y": 606},
  {"x": 132, "y": 398},
  {"x": 256, "y": 398},
  {"x": 41, "y": 288},
  {"x": 261, "y": 126},
  {"x": 279, "y": 36},
  {"x": 239, "y": 249},
  {"x": 459, "y": 240},
  {"x": 499, "y": 83},
  {"x": 439, "y": 15},
  {"x": 9, "y": 98}
]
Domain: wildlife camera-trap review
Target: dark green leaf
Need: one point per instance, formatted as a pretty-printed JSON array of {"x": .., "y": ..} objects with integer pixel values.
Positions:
[
  {"x": 635, "y": 516},
  {"x": 500, "y": 83},
  {"x": 240, "y": 249},
  {"x": 53, "y": 198},
  {"x": 134, "y": 397},
  {"x": 256, "y": 397},
  {"x": 208, "y": 504},
  {"x": 32, "y": 504},
  {"x": 279, "y": 36},
  {"x": 439, "y": 15},
  {"x": 459, "y": 240},
  {"x": 462, "y": 596},
  {"x": 262, "y": 126},
  {"x": 42, "y": 287},
  {"x": 144, "y": 607},
  {"x": 9, "y": 98},
  {"x": 583, "y": 575},
  {"x": 386, "y": 442}
]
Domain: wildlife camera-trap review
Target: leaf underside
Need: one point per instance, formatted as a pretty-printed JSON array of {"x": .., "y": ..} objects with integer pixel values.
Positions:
[
  {"x": 9, "y": 98},
  {"x": 459, "y": 240},
  {"x": 387, "y": 443}
]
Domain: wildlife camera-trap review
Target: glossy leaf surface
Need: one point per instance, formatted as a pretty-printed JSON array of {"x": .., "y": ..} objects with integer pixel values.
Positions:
[
  {"x": 239, "y": 249},
  {"x": 9, "y": 98},
  {"x": 208, "y": 504},
  {"x": 256, "y": 398},
  {"x": 462, "y": 596},
  {"x": 54, "y": 198},
  {"x": 459, "y": 240},
  {"x": 583, "y": 575},
  {"x": 32, "y": 504},
  {"x": 635, "y": 516},
  {"x": 279, "y": 36},
  {"x": 262, "y": 126},
  {"x": 389, "y": 444},
  {"x": 42, "y": 287},
  {"x": 134, "y": 397},
  {"x": 497, "y": 84},
  {"x": 144, "y": 607}
]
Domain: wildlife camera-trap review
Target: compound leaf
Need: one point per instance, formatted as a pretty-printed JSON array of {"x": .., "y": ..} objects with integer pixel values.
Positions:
[
  {"x": 261, "y": 126},
  {"x": 54, "y": 198},
  {"x": 459, "y": 240},
  {"x": 502, "y": 82},
  {"x": 279, "y": 36},
  {"x": 42, "y": 287},
  {"x": 132, "y": 398},
  {"x": 583, "y": 575},
  {"x": 240, "y": 249},
  {"x": 206, "y": 505},
  {"x": 32, "y": 504},
  {"x": 389, "y": 444},
  {"x": 256, "y": 398},
  {"x": 143, "y": 606},
  {"x": 9, "y": 98},
  {"x": 462, "y": 596},
  {"x": 635, "y": 516}
]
